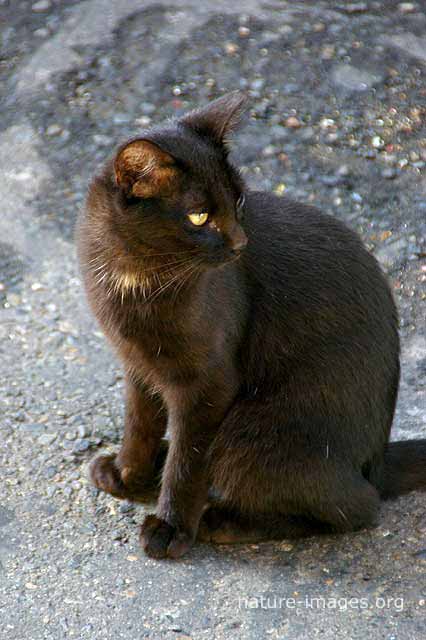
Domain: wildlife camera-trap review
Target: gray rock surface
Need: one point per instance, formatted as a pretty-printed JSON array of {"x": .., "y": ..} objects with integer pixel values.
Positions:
[{"x": 75, "y": 79}]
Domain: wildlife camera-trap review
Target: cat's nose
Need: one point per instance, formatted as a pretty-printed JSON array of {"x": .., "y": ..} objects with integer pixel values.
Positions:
[{"x": 239, "y": 240}]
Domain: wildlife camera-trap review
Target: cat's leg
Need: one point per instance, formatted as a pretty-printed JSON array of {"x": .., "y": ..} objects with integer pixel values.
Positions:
[
  {"x": 194, "y": 420},
  {"x": 223, "y": 524},
  {"x": 134, "y": 472},
  {"x": 302, "y": 473}
]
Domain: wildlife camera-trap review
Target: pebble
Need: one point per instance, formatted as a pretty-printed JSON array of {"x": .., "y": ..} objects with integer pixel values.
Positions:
[
  {"x": 355, "y": 7},
  {"x": 82, "y": 431},
  {"x": 102, "y": 140},
  {"x": 343, "y": 170},
  {"x": 389, "y": 173},
  {"x": 116, "y": 534},
  {"x": 389, "y": 254},
  {"x": 33, "y": 427},
  {"x": 377, "y": 142},
  {"x": 406, "y": 7},
  {"x": 327, "y": 123},
  {"x": 53, "y": 130},
  {"x": 243, "y": 32},
  {"x": 70, "y": 435},
  {"x": 81, "y": 445},
  {"x": 126, "y": 507},
  {"x": 41, "y": 6},
  {"x": 47, "y": 438},
  {"x": 293, "y": 123},
  {"x": 41, "y": 33},
  {"x": 269, "y": 150}
]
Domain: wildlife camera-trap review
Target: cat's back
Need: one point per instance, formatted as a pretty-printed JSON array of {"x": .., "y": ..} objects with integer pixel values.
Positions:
[
  {"x": 298, "y": 249},
  {"x": 314, "y": 287}
]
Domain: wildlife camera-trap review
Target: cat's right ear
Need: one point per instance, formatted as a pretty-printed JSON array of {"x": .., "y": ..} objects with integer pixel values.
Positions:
[
  {"x": 218, "y": 119},
  {"x": 144, "y": 170}
]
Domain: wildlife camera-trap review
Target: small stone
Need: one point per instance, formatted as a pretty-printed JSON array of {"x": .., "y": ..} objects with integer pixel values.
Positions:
[
  {"x": 41, "y": 33},
  {"x": 126, "y": 507},
  {"x": 356, "y": 197},
  {"x": 70, "y": 435},
  {"x": 377, "y": 142},
  {"x": 13, "y": 299},
  {"x": 389, "y": 173},
  {"x": 231, "y": 48},
  {"x": 356, "y": 7},
  {"x": 101, "y": 140},
  {"x": 343, "y": 170},
  {"x": 53, "y": 130},
  {"x": 293, "y": 123},
  {"x": 406, "y": 7},
  {"x": 33, "y": 427},
  {"x": 328, "y": 52},
  {"x": 81, "y": 445},
  {"x": 269, "y": 151},
  {"x": 117, "y": 534},
  {"x": 47, "y": 438},
  {"x": 41, "y": 6},
  {"x": 389, "y": 254},
  {"x": 330, "y": 181},
  {"x": 327, "y": 123},
  {"x": 82, "y": 431},
  {"x": 332, "y": 138},
  {"x": 243, "y": 32},
  {"x": 51, "y": 472}
]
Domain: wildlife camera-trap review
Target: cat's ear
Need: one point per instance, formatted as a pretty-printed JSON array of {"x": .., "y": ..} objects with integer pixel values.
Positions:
[
  {"x": 144, "y": 170},
  {"x": 218, "y": 119}
]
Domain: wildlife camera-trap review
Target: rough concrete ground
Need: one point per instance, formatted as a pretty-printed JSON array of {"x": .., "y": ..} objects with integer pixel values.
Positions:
[{"x": 337, "y": 117}]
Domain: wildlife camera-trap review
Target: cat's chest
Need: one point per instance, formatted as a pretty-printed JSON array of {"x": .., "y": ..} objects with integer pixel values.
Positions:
[{"x": 164, "y": 353}]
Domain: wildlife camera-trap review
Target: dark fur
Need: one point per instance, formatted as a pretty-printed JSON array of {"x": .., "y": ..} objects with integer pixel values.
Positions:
[{"x": 276, "y": 374}]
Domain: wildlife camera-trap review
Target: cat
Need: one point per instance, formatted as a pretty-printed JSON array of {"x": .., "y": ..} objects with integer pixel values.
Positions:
[{"x": 258, "y": 331}]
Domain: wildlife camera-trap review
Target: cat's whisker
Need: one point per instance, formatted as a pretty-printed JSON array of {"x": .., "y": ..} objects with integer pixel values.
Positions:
[
  {"x": 185, "y": 279},
  {"x": 168, "y": 283}
]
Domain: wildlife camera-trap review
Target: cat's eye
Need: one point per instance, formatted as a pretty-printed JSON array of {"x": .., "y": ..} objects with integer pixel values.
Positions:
[{"x": 198, "y": 218}]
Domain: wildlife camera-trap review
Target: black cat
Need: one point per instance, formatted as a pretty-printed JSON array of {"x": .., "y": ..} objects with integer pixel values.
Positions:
[{"x": 259, "y": 331}]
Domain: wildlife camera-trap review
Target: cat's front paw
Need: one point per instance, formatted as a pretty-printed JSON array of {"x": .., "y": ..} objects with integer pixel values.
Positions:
[
  {"x": 161, "y": 540},
  {"x": 125, "y": 482}
]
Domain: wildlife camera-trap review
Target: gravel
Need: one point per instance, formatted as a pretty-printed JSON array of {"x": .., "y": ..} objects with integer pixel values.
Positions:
[{"x": 336, "y": 118}]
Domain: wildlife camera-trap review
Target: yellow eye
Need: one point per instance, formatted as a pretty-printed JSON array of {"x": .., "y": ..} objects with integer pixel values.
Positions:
[{"x": 198, "y": 218}]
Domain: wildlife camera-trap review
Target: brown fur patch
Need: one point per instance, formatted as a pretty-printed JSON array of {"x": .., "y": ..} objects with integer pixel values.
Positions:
[{"x": 144, "y": 170}]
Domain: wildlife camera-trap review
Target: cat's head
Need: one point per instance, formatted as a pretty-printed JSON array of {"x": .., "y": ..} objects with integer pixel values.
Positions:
[{"x": 176, "y": 193}]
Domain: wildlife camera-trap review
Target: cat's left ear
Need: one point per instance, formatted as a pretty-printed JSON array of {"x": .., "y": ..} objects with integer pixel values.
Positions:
[
  {"x": 219, "y": 118},
  {"x": 144, "y": 170}
]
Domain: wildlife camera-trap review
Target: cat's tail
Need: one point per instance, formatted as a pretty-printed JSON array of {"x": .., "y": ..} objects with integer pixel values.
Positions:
[{"x": 405, "y": 468}]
